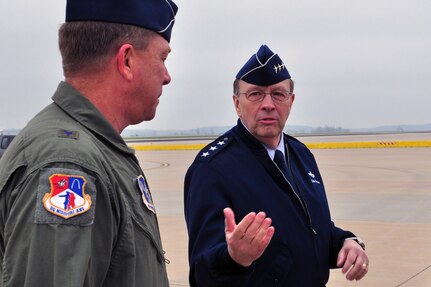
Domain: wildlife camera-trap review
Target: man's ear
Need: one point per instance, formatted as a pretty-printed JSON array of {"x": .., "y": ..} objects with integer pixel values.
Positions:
[
  {"x": 292, "y": 100},
  {"x": 236, "y": 104},
  {"x": 124, "y": 61}
]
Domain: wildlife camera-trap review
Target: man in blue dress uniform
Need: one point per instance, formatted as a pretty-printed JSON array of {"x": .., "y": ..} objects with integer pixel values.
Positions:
[{"x": 271, "y": 183}]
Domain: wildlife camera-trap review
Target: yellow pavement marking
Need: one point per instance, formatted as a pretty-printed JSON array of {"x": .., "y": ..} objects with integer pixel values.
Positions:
[
  {"x": 317, "y": 145},
  {"x": 379, "y": 144}
]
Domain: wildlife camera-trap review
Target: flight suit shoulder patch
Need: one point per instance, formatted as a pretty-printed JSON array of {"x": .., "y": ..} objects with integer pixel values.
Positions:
[{"x": 65, "y": 196}]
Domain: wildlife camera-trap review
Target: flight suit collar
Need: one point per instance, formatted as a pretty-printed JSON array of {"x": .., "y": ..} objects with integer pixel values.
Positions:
[{"x": 82, "y": 110}]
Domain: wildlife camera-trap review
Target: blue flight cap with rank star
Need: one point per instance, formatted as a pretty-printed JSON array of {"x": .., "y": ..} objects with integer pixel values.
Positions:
[
  {"x": 264, "y": 68},
  {"x": 155, "y": 15}
]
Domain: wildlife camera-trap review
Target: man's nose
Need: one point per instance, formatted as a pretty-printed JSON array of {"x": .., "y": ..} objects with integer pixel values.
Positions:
[
  {"x": 167, "y": 78},
  {"x": 267, "y": 102}
]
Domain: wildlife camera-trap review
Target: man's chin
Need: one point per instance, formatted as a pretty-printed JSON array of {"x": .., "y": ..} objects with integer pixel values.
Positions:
[
  {"x": 268, "y": 132},
  {"x": 144, "y": 118},
  {"x": 149, "y": 118}
]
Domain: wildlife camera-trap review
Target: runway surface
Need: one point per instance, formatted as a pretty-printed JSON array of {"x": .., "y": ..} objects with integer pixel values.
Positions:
[{"x": 381, "y": 194}]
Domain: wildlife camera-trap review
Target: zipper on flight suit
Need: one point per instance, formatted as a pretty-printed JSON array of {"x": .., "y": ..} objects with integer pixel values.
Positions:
[
  {"x": 299, "y": 194},
  {"x": 160, "y": 252}
]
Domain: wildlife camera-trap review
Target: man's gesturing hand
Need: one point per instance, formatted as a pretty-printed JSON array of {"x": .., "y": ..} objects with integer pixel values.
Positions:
[{"x": 247, "y": 241}]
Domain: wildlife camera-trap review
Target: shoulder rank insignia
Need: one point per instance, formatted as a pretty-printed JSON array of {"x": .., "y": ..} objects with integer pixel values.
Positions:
[
  {"x": 68, "y": 134},
  {"x": 146, "y": 195},
  {"x": 213, "y": 148},
  {"x": 67, "y": 197}
]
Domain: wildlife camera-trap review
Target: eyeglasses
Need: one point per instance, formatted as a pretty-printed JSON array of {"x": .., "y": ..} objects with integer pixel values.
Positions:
[{"x": 258, "y": 96}]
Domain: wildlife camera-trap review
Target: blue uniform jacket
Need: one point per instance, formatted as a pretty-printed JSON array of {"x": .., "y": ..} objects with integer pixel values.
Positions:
[{"x": 236, "y": 171}]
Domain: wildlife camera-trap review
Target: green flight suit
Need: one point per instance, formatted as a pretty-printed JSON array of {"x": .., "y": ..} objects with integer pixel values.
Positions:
[{"x": 75, "y": 209}]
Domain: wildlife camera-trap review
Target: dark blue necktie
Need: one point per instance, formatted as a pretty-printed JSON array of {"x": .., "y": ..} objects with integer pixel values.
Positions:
[
  {"x": 280, "y": 160},
  {"x": 281, "y": 163}
]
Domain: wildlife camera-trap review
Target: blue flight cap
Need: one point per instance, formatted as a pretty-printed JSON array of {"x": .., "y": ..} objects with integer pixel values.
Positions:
[
  {"x": 264, "y": 68},
  {"x": 155, "y": 15}
]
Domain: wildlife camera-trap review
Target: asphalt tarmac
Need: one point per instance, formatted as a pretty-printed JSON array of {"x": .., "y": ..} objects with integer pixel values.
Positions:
[{"x": 383, "y": 195}]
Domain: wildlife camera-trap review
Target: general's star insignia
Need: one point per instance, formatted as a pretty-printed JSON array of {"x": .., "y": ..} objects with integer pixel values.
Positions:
[{"x": 279, "y": 67}]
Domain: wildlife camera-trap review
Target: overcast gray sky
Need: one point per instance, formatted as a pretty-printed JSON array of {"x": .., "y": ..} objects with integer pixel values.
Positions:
[{"x": 356, "y": 64}]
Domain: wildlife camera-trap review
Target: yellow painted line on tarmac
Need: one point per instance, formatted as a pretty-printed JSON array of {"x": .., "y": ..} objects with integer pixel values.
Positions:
[
  {"x": 319, "y": 145},
  {"x": 378, "y": 144}
]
